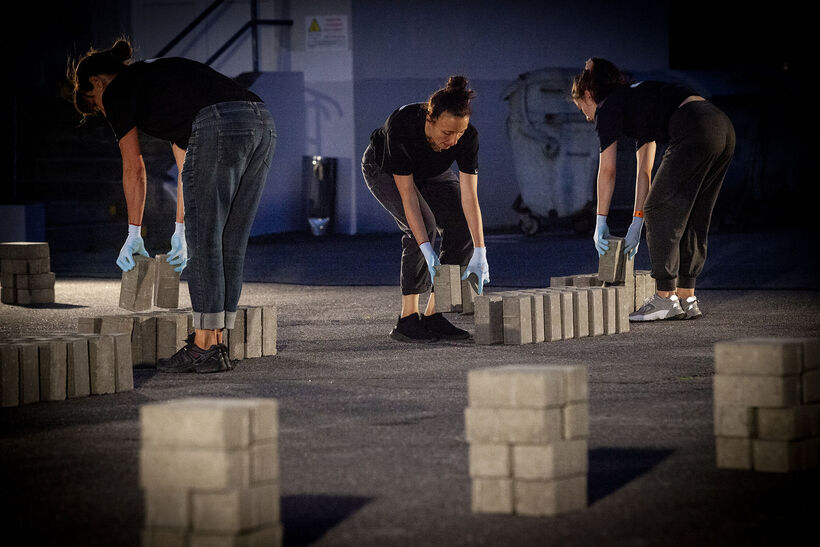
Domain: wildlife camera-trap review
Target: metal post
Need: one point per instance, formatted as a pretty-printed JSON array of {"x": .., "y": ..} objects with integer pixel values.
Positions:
[{"x": 254, "y": 36}]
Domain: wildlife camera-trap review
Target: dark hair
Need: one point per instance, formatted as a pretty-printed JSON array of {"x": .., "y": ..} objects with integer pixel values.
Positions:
[
  {"x": 454, "y": 98},
  {"x": 600, "y": 77},
  {"x": 94, "y": 63}
]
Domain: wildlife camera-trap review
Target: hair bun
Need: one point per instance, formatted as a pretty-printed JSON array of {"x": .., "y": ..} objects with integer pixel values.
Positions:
[
  {"x": 457, "y": 83},
  {"x": 121, "y": 51}
]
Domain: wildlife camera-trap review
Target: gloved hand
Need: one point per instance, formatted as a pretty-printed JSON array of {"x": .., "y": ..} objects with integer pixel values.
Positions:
[
  {"x": 633, "y": 237},
  {"x": 431, "y": 258},
  {"x": 133, "y": 245},
  {"x": 179, "y": 248},
  {"x": 478, "y": 266},
  {"x": 601, "y": 237}
]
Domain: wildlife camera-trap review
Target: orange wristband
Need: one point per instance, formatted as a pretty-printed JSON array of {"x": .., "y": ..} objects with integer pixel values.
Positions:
[{"x": 638, "y": 214}]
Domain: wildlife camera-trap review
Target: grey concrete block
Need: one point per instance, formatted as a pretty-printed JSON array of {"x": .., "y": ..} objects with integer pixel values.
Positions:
[
  {"x": 267, "y": 536},
  {"x": 253, "y": 332},
  {"x": 788, "y": 424},
  {"x": 756, "y": 391},
  {"x": 517, "y": 314},
  {"x": 517, "y": 386},
  {"x": 166, "y": 283},
  {"x": 561, "y": 281},
  {"x": 35, "y": 281},
  {"x": 172, "y": 331},
  {"x": 490, "y": 460},
  {"x": 513, "y": 425},
  {"x": 7, "y": 280},
  {"x": 733, "y": 452},
  {"x": 236, "y": 336},
  {"x": 117, "y": 324},
  {"x": 550, "y": 461},
  {"x": 567, "y": 314},
  {"x": 550, "y": 497},
  {"x": 193, "y": 468},
  {"x": 552, "y": 315},
  {"x": 156, "y": 536},
  {"x": 780, "y": 456},
  {"x": 811, "y": 386},
  {"x": 29, "y": 372},
  {"x": 52, "y": 356},
  {"x": 595, "y": 297},
  {"x": 78, "y": 375},
  {"x": 488, "y": 318},
  {"x": 123, "y": 363},
  {"x": 33, "y": 296},
  {"x": 735, "y": 421},
  {"x": 609, "y": 309},
  {"x": 137, "y": 285},
  {"x": 269, "y": 326},
  {"x": 468, "y": 293},
  {"x": 102, "y": 364},
  {"x": 608, "y": 262},
  {"x": 447, "y": 288},
  {"x": 144, "y": 339},
  {"x": 264, "y": 461},
  {"x": 9, "y": 375},
  {"x": 580, "y": 312},
  {"x": 624, "y": 304},
  {"x": 235, "y": 510},
  {"x": 626, "y": 271},
  {"x": 8, "y": 295},
  {"x": 25, "y": 266},
  {"x": 24, "y": 250},
  {"x": 768, "y": 356},
  {"x": 492, "y": 495},
  {"x": 537, "y": 321},
  {"x": 89, "y": 325},
  {"x": 168, "y": 508},
  {"x": 575, "y": 417}
]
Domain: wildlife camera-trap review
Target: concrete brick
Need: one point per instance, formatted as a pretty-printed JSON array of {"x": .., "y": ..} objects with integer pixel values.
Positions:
[
  {"x": 561, "y": 281},
  {"x": 567, "y": 314},
  {"x": 78, "y": 379},
  {"x": 577, "y": 382},
  {"x": 735, "y": 421},
  {"x": 550, "y": 497},
  {"x": 788, "y": 424},
  {"x": 757, "y": 391},
  {"x": 102, "y": 364},
  {"x": 172, "y": 331},
  {"x": 166, "y": 283},
  {"x": 52, "y": 356},
  {"x": 123, "y": 364},
  {"x": 580, "y": 312},
  {"x": 490, "y": 460},
  {"x": 733, "y": 452},
  {"x": 778, "y": 456},
  {"x": 517, "y": 314},
  {"x": 551, "y": 304},
  {"x": 623, "y": 301},
  {"x": 8, "y": 295},
  {"x": 488, "y": 318},
  {"x": 264, "y": 462},
  {"x": 586, "y": 280},
  {"x": 492, "y": 495},
  {"x": 235, "y": 509},
  {"x": 811, "y": 353},
  {"x": 137, "y": 285},
  {"x": 626, "y": 272},
  {"x": 517, "y": 386},
  {"x": 24, "y": 250},
  {"x": 34, "y": 281},
  {"x": 513, "y": 425},
  {"x": 199, "y": 468},
  {"x": 267, "y": 536},
  {"x": 575, "y": 417},
  {"x": 164, "y": 537},
  {"x": 29, "y": 372},
  {"x": 25, "y": 266},
  {"x": 811, "y": 386},
  {"x": 595, "y": 296},
  {"x": 608, "y": 262},
  {"x": 144, "y": 339},
  {"x": 9, "y": 375},
  {"x": 468, "y": 293},
  {"x": 448, "y": 288},
  {"x": 550, "y": 461},
  {"x": 7, "y": 280},
  {"x": 253, "y": 332},
  {"x": 537, "y": 321},
  {"x": 89, "y": 325},
  {"x": 609, "y": 309},
  {"x": 644, "y": 286},
  {"x": 236, "y": 336},
  {"x": 768, "y": 356},
  {"x": 269, "y": 326},
  {"x": 117, "y": 324},
  {"x": 168, "y": 508}
]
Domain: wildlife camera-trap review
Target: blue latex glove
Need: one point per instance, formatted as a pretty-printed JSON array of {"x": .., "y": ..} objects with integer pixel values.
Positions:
[
  {"x": 601, "y": 237},
  {"x": 133, "y": 245},
  {"x": 431, "y": 258},
  {"x": 179, "y": 248},
  {"x": 633, "y": 237},
  {"x": 478, "y": 266}
]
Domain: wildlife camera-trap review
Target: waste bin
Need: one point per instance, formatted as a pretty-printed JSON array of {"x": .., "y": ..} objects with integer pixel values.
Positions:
[{"x": 320, "y": 193}]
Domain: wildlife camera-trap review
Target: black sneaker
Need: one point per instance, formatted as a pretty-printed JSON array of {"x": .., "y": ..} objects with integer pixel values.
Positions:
[
  {"x": 410, "y": 329},
  {"x": 184, "y": 360},
  {"x": 226, "y": 356},
  {"x": 441, "y": 327},
  {"x": 215, "y": 361}
]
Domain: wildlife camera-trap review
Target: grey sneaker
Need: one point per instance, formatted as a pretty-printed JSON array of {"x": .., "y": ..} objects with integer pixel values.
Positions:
[
  {"x": 690, "y": 308},
  {"x": 657, "y": 308}
]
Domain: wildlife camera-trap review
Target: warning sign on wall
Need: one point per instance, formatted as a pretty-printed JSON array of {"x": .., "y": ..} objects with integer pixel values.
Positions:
[{"x": 325, "y": 32}]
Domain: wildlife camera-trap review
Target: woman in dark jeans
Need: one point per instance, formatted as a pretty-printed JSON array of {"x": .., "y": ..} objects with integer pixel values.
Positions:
[
  {"x": 223, "y": 138},
  {"x": 678, "y": 207},
  {"x": 407, "y": 169}
]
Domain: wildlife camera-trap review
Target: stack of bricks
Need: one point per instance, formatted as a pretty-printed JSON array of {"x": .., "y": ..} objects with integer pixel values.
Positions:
[
  {"x": 159, "y": 334},
  {"x": 151, "y": 282},
  {"x": 527, "y": 429},
  {"x": 25, "y": 273},
  {"x": 209, "y": 469},
  {"x": 452, "y": 293},
  {"x": 550, "y": 314},
  {"x": 767, "y": 404},
  {"x": 60, "y": 366}
]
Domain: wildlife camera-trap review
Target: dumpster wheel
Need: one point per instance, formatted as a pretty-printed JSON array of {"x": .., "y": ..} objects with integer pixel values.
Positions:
[{"x": 528, "y": 224}]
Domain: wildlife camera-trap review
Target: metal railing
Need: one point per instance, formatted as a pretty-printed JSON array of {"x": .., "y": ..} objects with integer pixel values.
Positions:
[{"x": 253, "y": 25}]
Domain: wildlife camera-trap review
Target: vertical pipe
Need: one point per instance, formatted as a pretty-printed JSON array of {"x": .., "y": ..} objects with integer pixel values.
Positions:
[{"x": 254, "y": 36}]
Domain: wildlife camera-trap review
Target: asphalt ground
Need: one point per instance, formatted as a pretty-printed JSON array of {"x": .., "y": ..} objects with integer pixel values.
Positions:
[{"x": 372, "y": 440}]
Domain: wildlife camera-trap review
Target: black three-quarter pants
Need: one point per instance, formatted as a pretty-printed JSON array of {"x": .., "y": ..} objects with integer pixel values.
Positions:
[
  {"x": 679, "y": 206},
  {"x": 440, "y": 203}
]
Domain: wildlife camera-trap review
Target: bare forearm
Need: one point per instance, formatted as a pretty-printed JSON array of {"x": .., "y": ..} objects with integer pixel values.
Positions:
[
  {"x": 605, "y": 189},
  {"x": 134, "y": 184},
  {"x": 645, "y": 157},
  {"x": 180, "y": 201},
  {"x": 471, "y": 208}
]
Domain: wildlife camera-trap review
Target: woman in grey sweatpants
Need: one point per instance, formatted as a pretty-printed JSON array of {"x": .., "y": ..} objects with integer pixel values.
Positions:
[{"x": 678, "y": 208}]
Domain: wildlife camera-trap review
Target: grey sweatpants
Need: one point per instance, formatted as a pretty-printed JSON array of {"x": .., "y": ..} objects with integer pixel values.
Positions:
[{"x": 678, "y": 209}]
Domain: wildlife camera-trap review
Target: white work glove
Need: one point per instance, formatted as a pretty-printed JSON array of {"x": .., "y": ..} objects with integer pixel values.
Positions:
[
  {"x": 601, "y": 237},
  {"x": 633, "y": 237},
  {"x": 179, "y": 248},
  {"x": 133, "y": 245},
  {"x": 478, "y": 266},
  {"x": 431, "y": 258}
]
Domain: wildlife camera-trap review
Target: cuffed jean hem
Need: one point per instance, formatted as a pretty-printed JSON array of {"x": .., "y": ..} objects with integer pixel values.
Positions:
[
  {"x": 213, "y": 321},
  {"x": 666, "y": 284}
]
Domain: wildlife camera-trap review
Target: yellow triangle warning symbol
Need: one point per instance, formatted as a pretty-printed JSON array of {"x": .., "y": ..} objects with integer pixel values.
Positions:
[{"x": 314, "y": 26}]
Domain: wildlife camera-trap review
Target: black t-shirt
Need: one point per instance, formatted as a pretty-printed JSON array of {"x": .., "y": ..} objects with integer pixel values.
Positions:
[
  {"x": 163, "y": 96},
  {"x": 640, "y": 111},
  {"x": 402, "y": 149}
]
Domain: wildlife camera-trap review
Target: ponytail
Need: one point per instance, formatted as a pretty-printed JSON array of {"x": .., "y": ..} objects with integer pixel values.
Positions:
[
  {"x": 94, "y": 63},
  {"x": 600, "y": 77},
  {"x": 453, "y": 98}
]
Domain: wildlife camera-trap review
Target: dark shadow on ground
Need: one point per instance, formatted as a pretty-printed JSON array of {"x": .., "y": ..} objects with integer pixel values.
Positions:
[
  {"x": 306, "y": 518},
  {"x": 612, "y": 468}
]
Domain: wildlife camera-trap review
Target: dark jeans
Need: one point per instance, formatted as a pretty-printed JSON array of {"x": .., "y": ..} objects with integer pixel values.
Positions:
[
  {"x": 226, "y": 165},
  {"x": 678, "y": 209},
  {"x": 440, "y": 203}
]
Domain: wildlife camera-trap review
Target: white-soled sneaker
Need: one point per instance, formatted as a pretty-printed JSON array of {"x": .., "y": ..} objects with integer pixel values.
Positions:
[
  {"x": 690, "y": 308},
  {"x": 658, "y": 308}
]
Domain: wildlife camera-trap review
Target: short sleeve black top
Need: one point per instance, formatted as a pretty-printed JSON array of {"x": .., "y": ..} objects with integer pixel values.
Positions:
[
  {"x": 163, "y": 96},
  {"x": 640, "y": 111},
  {"x": 401, "y": 146}
]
